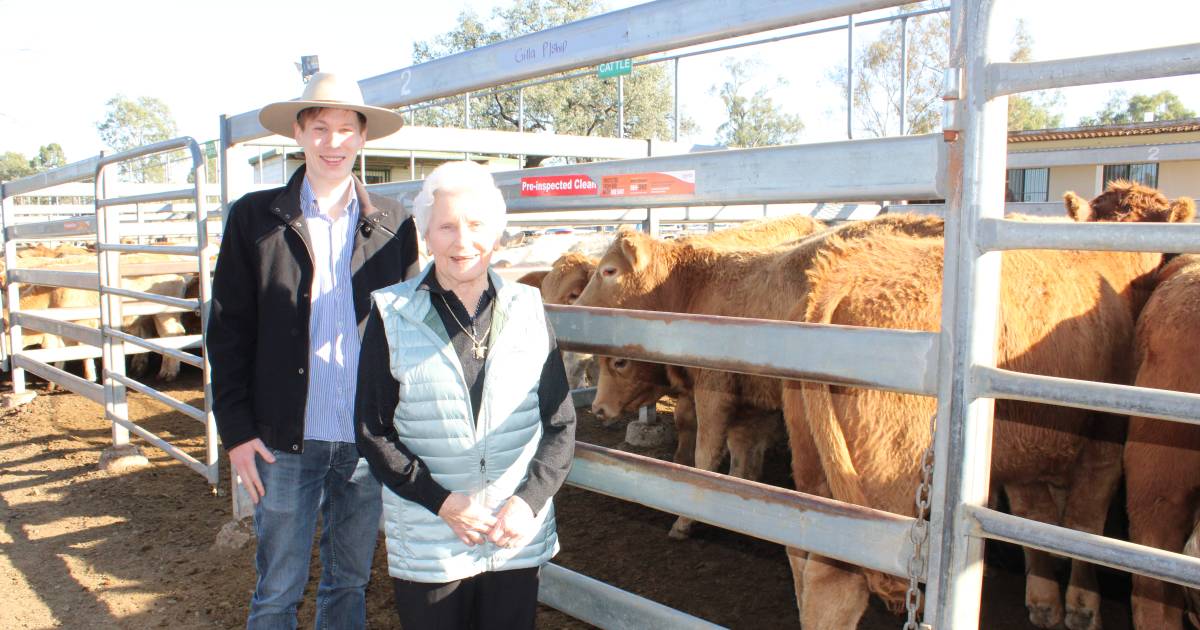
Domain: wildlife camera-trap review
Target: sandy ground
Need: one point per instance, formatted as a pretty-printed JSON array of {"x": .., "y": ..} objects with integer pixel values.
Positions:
[{"x": 84, "y": 549}]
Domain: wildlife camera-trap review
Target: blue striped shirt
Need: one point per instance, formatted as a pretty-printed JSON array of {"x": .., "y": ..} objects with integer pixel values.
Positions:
[{"x": 333, "y": 341}]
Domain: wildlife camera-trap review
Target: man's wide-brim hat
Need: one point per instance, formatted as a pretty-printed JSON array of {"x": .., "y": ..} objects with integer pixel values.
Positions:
[{"x": 326, "y": 89}]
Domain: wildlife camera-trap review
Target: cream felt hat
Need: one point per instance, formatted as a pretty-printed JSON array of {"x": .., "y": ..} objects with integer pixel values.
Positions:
[{"x": 326, "y": 89}]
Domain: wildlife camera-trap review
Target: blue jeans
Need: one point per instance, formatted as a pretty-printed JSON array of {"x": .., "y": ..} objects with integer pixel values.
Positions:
[{"x": 328, "y": 478}]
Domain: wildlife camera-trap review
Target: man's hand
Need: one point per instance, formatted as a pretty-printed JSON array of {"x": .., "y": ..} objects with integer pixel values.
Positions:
[
  {"x": 241, "y": 457},
  {"x": 469, "y": 519},
  {"x": 514, "y": 522}
]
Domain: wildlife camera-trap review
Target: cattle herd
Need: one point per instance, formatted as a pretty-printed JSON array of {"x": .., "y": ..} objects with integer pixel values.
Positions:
[{"x": 1114, "y": 317}]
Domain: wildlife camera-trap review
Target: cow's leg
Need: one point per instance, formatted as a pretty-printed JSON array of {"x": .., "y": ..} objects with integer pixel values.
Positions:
[
  {"x": 1160, "y": 516},
  {"x": 53, "y": 342},
  {"x": 834, "y": 595},
  {"x": 797, "y": 558},
  {"x": 1043, "y": 598},
  {"x": 139, "y": 363},
  {"x": 169, "y": 325},
  {"x": 685, "y": 430},
  {"x": 1093, "y": 483},
  {"x": 713, "y": 411}
]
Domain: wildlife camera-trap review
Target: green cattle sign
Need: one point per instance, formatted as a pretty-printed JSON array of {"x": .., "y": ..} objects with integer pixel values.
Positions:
[{"x": 614, "y": 68}]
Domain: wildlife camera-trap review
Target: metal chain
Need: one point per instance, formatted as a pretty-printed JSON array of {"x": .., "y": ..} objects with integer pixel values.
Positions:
[{"x": 919, "y": 535}]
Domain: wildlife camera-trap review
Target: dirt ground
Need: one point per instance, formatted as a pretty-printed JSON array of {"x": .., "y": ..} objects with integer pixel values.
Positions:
[{"x": 84, "y": 549}]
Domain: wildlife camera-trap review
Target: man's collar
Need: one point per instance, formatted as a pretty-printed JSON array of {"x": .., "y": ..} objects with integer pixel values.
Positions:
[{"x": 310, "y": 207}]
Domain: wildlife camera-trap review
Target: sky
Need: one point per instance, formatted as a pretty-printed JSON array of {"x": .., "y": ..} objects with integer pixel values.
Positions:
[{"x": 64, "y": 60}]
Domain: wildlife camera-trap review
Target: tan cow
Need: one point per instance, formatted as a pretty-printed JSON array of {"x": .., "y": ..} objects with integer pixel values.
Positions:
[
  {"x": 1064, "y": 313},
  {"x": 734, "y": 410},
  {"x": 1162, "y": 458}
]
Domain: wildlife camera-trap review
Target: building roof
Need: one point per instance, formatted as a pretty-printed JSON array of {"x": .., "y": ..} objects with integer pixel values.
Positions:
[{"x": 1107, "y": 131}]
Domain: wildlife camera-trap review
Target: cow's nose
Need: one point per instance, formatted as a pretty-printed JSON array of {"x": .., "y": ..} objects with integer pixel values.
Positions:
[{"x": 601, "y": 411}]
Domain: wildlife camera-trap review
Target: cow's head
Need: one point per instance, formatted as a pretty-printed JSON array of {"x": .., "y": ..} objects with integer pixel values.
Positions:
[
  {"x": 632, "y": 268},
  {"x": 565, "y": 281},
  {"x": 626, "y": 385},
  {"x": 1126, "y": 202}
]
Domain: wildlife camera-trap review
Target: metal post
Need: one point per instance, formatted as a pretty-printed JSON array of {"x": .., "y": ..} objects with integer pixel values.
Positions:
[
  {"x": 850, "y": 76},
  {"x": 362, "y": 164},
  {"x": 412, "y": 165},
  {"x": 466, "y": 110},
  {"x": 675, "y": 135},
  {"x": 223, "y": 170},
  {"x": 204, "y": 269},
  {"x": 651, "y": 224},
  {"x": 521, "y": 109},
  {"x": 14, "y": 297},
  {"x": 283, "y": 165},
  {"x": 903, "y": 74},
  {"x": 620, "y": 107},
  {"x": 108, "y": 226},
  {"x": 969, "y": 325}
]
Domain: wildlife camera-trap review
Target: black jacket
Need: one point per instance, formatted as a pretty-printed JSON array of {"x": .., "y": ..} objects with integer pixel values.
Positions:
[{"x": 258, "y": 323}]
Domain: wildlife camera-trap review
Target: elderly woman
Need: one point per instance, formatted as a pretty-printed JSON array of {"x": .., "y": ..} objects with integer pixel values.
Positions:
[{"x": 464, "y": 414}]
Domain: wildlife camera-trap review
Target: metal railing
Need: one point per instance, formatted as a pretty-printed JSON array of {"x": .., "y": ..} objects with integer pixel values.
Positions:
[{"x": 110, "y": 341}]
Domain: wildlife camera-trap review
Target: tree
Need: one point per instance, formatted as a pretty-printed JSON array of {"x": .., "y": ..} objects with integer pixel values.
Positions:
[
  {"x": 1032, "y": 110},
  {"x": 754, "y": 121},
  {"x": 133, "y": 123},
  {"x": 49, "y": 156},
  {"x": 580, "y": 106},
  {"x": 13, "y": 165},
  {"x": 1122, "y": 108},
  {"x": 876, "y": 94}
]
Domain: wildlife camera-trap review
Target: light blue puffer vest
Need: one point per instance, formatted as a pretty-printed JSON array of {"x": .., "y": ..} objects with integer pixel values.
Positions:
[{"x": 488, "y": 459}]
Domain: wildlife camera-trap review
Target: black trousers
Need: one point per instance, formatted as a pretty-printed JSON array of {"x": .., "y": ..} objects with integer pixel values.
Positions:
[{"x": 500, "y": 600}]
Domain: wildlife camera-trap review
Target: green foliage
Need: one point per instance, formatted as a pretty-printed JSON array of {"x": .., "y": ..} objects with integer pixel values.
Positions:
[
  {"x": 49, "y": 156},
  {"x": 1122, "y": 108},
  {"x": 130, "y": 123},
  {"x": 14, "y": 165},
  {"x": 754, "y": 121},
  {"x": 1034, "y": 110},
  {"x": 583, "y": 106},
  {"x": 877, "y": 87}
]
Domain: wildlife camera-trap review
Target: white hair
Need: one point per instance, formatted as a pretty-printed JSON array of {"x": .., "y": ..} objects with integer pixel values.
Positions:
[{"x": 458, "y": 177}]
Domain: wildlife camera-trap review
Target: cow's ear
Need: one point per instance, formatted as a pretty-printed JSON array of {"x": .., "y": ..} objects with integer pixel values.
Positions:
[
  {"x": 1183, "y": 210},
  {"x": 1077, "y": 207},
  {"x": 637, "y": 250}
]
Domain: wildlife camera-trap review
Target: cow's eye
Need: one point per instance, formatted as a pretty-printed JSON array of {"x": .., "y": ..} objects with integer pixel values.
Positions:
[
  {"x": 620, "y": 364},
  {"x": 572, "y": 296},
  {"x": 608, "y": 272}
]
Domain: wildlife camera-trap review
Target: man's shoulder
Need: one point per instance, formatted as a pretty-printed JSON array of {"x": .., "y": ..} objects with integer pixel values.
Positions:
[{"x": 395, "y": 211}]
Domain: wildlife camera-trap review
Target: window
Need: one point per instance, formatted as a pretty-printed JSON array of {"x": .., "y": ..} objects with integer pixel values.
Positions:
[
  {"x": 1144, "y": 174},
  {"x": 375, "y": 175},
  {"x": 1027, "y": 184}
]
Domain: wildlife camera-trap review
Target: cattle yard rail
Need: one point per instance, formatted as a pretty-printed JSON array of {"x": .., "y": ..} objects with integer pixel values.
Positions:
[
  {"x": 964, "y": 165},
  {"x": 110, "y": 341}
]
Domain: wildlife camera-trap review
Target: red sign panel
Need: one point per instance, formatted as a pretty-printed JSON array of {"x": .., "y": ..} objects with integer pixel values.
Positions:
[
  {"x": 557, "y": 186},
  {"x": 635, "y": 184}
]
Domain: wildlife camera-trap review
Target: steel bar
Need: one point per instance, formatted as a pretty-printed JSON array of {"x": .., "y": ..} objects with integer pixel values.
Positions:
[
  {"x": 1109, "y": 552},
  {"x": 165, "y": 446},
  {"x": 87, "y": 281},
  {"x": 77, "y": 353},
  {"x": 855, "y": 170},
  {"x": 183, "y": 357},
  {"x": 80, "y": 226},
  {"x": 1107, "y": 397},
  {"x": 166, "y": 250},
  {"x": 182, "y": 142},
  {"x": 75, "y": 332},
  {"x": 1153, "y": 63},
  {"x": 73, "y": 172},
  {"x": 130, "y": 309},
  {"x": 583, "y": 396},
  {"x": 607, "y": 606},
  {"x": 896, "y": 360},
  {"x": 139, "y": 386},
  {"x": 166, "y": 195},
  {"x": 782, "y": 516},
  {"x": 92, "y": 391},
  {"x": 1004, "y": 234},
  {"x": 186, "y": 304},
  {"x": 639, "y": 30}
]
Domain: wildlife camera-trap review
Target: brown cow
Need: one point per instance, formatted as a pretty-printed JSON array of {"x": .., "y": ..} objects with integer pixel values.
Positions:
[
  {"x": 1064, "y": 313},
  {"x": 1162, "y": 458},
  {"x": 686, "y": 276},
  {"x": 533, "y": 278}
]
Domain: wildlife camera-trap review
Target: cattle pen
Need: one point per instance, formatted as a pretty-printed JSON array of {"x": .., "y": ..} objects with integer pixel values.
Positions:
[{"x": 964, "y": 164}]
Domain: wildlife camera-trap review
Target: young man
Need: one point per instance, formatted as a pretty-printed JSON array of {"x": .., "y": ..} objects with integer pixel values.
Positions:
[{"x": 290, "y": 299}]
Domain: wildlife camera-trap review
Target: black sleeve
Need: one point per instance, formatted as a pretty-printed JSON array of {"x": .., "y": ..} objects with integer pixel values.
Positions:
[
  {"x": 374, "y": 406},
  {"x": 552, "y": 461},
  {"x": 233, "y": 332}
]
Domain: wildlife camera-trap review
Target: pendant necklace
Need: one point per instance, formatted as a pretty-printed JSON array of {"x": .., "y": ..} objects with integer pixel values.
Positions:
[{"x": 478, "y": 348}]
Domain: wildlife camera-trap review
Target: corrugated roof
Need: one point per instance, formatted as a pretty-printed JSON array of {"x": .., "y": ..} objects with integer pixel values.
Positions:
[{"x": 1107, "y": 131}]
